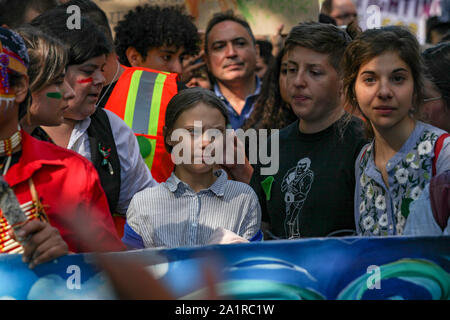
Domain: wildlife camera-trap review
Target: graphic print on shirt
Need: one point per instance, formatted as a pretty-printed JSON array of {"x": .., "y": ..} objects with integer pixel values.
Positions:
[{"x": 296, "y": 185}]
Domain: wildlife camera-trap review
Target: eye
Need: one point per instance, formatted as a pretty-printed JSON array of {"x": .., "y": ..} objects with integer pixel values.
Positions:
[
  {"x": 218, "y": 46},
  {"x": 398, "y": 78},
  {"x": 87, "y": 72},
  {"x": 291, "y": 70},
  {"x": 369, "y": 80},
  {"x": 316, "y": 73},
  {"x": 166, "y": 58},
  {"x": 240, "y": 42}
]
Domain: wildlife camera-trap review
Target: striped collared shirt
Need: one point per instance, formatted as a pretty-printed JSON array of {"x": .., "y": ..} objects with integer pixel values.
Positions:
[{"x": 173, "y": 215}]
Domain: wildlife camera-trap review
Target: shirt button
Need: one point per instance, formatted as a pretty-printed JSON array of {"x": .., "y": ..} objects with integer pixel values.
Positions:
[{"x": 390, "y": 227}]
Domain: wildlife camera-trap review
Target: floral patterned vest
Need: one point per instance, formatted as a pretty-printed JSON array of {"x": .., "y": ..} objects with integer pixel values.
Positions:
[{"x": 380, "y": 209}]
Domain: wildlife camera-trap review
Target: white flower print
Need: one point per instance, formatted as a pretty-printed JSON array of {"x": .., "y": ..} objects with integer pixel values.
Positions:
[
  {"x": 376, "y": 230},
  {"x": 400, "y": 219},
  {"x": 370, "y": 192},
  {"x": 399, "y": 230},
  {"x": 380, "y": 202},
  {"x": 414, "y": 165},
  {"x": 410, "y": 157},
  {"x": 415, "y": 193},
  {"x": 424, "y": 147},
  {"x": 368, "y": 223},
  {"x": 362, "y": 207},
  {"x": 363, "y": 180},
  {"x": 402, "y": 175},
  {"x": 383, "y": 221}
]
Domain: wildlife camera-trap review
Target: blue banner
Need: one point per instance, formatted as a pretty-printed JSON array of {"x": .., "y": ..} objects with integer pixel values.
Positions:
[{"x": 324, "y": 268}]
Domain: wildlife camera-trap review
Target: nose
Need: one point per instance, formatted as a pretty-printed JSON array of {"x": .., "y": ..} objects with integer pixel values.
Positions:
[
  {"x": 192, "y": 83},
  {"x": 98, "y": 78},
  {"x": 176, "y": 67},
  {"x": 384, "y": 91},
  {"x": 299, "y": 80},
  {"x": 69, "y": 93},
  {"x": 230, "y": 50}
]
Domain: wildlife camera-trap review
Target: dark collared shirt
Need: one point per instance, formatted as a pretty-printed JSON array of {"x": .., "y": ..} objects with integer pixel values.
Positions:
[{"x": 238, "y": 120}]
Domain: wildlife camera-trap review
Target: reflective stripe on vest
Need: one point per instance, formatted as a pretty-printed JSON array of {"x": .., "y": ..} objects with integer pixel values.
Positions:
[{"x": 140, "y": 98}]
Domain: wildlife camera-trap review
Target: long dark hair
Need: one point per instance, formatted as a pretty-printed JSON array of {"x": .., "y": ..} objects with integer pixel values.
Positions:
[{"x": 270, "y": 110}]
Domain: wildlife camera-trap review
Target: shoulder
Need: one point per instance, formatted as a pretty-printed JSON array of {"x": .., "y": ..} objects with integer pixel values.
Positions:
[
  {"x": 116, "y": 121},
  {"x": 50, "y": 151},
  {"x": 429, "y": 128},
  {"x": 236, "y": 188},
  {"x": 151, "y": 194},
  {"x": 289, "y": 130}
]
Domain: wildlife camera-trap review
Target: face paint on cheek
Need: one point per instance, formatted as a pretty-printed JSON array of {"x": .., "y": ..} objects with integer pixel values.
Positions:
[
  {"x": 54, "y": 95},
  {"x": 87, "y": 80}
]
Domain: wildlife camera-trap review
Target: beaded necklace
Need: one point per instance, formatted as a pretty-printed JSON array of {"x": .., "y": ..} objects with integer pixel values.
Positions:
[{"x": 6, "y": 148}]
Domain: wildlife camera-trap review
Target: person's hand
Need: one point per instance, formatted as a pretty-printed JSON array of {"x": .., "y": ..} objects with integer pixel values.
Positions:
[
  {"x": 190, "y": 66},
  {"x": 237, "y": 170},
  {"x": 41, "y": 242}
]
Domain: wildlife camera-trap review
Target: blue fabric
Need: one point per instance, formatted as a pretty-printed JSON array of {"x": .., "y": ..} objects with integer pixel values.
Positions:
[
  {"x": 238, "y": 120},
  {"x": 257, "y": 237},
  {"x": 131, "y": 239}
]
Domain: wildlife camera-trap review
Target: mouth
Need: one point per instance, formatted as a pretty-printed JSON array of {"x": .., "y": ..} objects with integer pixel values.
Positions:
[
  {"x": 234, "y": 65},
  {"x": 93, "y": 95},
  {"x": 300, "y": 98},
  {"x": 384, "y": 109}
]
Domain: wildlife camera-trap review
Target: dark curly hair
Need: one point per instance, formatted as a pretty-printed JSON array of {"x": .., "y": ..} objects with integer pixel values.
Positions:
[
  {"x": 148, "y": 27},
  {"x": 270, "y": 111}
]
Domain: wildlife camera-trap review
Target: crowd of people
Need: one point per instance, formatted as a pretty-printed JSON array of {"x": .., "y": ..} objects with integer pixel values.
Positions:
[{"x": 89, "y": 122}]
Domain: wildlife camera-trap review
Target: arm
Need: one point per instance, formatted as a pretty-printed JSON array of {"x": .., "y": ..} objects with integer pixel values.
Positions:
[
  {"x": 252, "y": 222},
  {"x": 95, "y": 217},
  {"x": 131, "y": 237},
  {"x": 135, "y": 175}
]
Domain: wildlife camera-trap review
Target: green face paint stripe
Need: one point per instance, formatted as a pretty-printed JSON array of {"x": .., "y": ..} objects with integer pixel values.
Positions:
[
  {"x": 149, "y": 160},
  {"x": 156, "y": 104},
  {"x": 267, "y": 186},
  {"x": 54, "y": 95},
  {"x": 131, "y": 98}
]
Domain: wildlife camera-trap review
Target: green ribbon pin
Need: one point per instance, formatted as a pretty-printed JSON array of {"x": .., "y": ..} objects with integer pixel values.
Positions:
[{"x": 267, "y": 186}]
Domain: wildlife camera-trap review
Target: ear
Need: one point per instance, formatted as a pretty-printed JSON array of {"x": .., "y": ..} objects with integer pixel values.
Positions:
[
  {"x": 21, "y": 89},
  {"x": 167, "y": 135},
  {"x": 134, "y": 57}
]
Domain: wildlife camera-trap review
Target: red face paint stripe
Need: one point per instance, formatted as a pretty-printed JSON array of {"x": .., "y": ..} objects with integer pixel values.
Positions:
[{"x": 85, "y": 80}]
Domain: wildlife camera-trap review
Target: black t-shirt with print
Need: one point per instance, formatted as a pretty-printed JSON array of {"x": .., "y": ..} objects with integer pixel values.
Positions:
[{"x": 312, "y": 193}]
